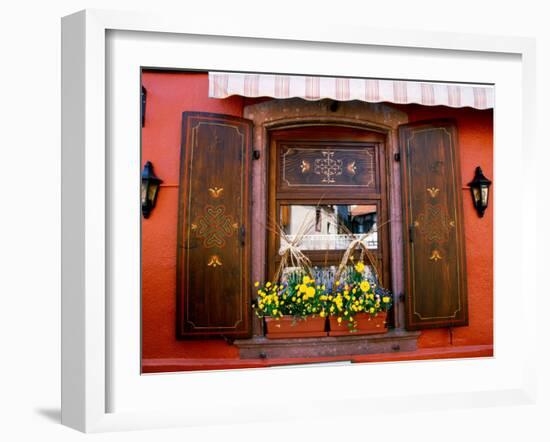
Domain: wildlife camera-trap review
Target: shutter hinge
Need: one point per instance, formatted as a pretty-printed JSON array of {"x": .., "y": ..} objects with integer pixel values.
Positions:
[
  {"x": 242, "y": 234},
  {"x": 143, "y": 105},
  {"x": 397, "y": 156},
  {"x": 411, "y": 233},
  {"x": 256, "y": 154}
]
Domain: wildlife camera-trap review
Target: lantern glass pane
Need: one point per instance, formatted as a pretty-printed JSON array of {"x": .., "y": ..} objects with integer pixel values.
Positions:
[
  {"x": 152, "y": 191},
  {"x": 144, "y": 190},
  {"x": 484, "y": 196},
  {"x": 476, "y": 194}
]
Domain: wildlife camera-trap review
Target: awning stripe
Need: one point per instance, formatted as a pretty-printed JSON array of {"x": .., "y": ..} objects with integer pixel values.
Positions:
[{"x": 224, "y": 84}]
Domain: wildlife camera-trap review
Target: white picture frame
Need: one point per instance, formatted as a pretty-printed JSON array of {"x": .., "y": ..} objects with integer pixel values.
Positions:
[{"x": 92, "y": 366}]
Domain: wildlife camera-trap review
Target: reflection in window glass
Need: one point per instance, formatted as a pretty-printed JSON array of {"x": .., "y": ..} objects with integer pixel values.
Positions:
[
  {"x": 330, "y": 227},
  {"x": 324, "y": 275}
]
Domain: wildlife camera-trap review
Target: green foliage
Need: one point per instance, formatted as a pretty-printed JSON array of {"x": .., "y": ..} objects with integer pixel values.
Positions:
[
  {"x": 300, "y": 296},
  {"x": 356, "y": 294}
]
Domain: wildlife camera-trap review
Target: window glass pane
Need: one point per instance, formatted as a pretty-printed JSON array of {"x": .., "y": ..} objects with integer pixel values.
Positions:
[
  {"x": 324, "y": 275},
  {"x": 329, "y": 227}
]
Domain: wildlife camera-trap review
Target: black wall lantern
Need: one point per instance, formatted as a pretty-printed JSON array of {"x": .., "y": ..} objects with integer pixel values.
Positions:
[
  {"x": 149, "y": 189},
  {"x": 480, "y": 191}
]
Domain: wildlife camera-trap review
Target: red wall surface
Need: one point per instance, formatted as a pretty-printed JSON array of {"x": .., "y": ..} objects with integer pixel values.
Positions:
[
  {"x": 168, "y": 95},
  {"x": 171, "y": 93}
]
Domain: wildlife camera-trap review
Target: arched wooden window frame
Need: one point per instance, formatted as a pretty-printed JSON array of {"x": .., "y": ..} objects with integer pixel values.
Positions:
[
  {"x": 275, "y": 115},
  {"x": 337, "y": 136}
]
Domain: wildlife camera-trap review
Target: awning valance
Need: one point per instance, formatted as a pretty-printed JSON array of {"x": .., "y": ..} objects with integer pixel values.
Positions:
[{"x": 223, "y": 85}]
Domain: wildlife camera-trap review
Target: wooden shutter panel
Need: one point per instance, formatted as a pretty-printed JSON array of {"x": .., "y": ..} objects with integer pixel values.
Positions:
[
  {"x": 213, "y": 227},
  {"x": 435, "y": 265}
]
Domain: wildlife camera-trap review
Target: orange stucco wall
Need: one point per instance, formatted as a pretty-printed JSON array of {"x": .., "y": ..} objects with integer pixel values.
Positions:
[
  {"x": 171, "y": 93},
  {"x": 168, "y": 95}
]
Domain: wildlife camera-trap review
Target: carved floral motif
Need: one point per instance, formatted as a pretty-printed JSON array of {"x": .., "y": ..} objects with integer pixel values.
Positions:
[
  {"x": 214, "y": 226},
  {"x": 434, "y": 224},
  {"x": 214, "y": 261},
  {"x": 328, "y": 167},
  {"x": 215, "y": 192}
]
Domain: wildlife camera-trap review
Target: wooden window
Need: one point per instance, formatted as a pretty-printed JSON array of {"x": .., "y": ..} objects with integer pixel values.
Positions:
[
  {"x": 333, "y": 176},
  {"x": 213, "y": 268},
  {"x": 435, "y": 265}
]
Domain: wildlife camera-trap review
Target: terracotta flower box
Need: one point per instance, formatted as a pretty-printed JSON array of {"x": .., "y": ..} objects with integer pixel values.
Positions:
[
  {"x": 365, "y": 325},
  {"x": 290, "y": 327}
]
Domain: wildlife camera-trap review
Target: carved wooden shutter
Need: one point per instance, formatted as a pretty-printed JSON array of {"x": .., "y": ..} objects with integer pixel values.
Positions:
[
  {"x": 213, "y": 226},
  {"x": 435, "y": 267}
]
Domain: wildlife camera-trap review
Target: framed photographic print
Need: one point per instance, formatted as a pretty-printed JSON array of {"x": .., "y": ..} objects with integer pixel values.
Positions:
[{"x": 248, "y": 213}]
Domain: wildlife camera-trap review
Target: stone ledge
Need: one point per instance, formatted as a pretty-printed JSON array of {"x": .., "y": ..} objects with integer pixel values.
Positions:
[
  {"x": 391, "y": 342},
  {"x": 172, "y": 365}
]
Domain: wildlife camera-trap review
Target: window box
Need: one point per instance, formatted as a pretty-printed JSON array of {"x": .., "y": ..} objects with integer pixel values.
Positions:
[
  {"x": 291, "y": 327},
  {"x": 365, "y": 324}
]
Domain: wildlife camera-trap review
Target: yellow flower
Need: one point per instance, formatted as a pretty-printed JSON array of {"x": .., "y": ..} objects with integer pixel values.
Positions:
[
  {"x": 339, "y": 320},
  {"x": 337, "y": 282},
  {"x": 310, "y": 291},
  {"x": 256, "y": 284},
  {"x": 306, "y": 280},
  {"x": 360, "y": 267},
  {"x": 371, "y": 310},
  {"x": 386, "y": 299},
  {"x": 268, "y": 284},
  {"x": 274, "y": 311},
  {"x": 365, "y": 286},
  {"x": 294, "y": 299},
  {"x": 303, "y": 288},
  {"x": 299, "y": 301},
  {"x": 322, "y": 314}
]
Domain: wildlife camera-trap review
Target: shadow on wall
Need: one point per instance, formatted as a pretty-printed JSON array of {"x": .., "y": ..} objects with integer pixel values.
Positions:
[{"x": 51, "y": 414}]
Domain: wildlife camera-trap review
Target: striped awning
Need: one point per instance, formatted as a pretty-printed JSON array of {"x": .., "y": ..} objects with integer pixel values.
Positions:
[{"x": 223, "y": 85}]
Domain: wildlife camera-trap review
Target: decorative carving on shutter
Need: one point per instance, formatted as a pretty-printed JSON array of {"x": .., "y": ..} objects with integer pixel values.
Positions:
[
  {"x": 435, "y": 264},
  {"x": 213, "y": 269}
]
